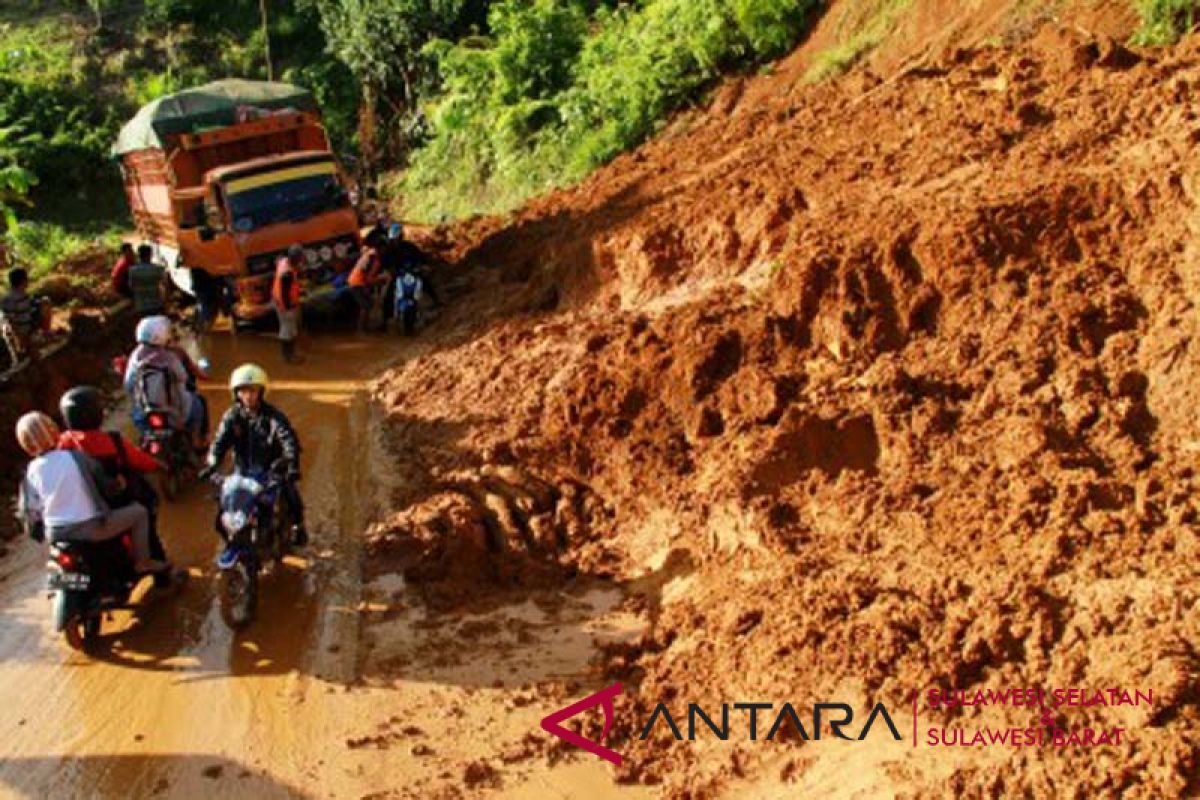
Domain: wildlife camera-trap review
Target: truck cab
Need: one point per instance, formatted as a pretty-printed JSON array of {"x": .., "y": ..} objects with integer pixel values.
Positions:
[
  {"x": 251, "y": 212},
  {"x": 226, "y": 177}
]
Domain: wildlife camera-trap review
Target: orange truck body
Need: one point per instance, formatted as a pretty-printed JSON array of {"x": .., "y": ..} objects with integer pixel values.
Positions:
[{"x": 205, "y": 200}]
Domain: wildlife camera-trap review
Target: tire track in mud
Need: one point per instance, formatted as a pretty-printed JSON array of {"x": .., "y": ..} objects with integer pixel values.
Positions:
[{"x": 175, "y": 704}]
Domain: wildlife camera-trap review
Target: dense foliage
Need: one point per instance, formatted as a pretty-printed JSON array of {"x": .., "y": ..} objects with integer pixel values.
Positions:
[
  {"x": 560, "y": 87},
  {"x": 73, "y": 71},
  {"x": 480, "y": 103},
  {"x": 487, "y": 100}
]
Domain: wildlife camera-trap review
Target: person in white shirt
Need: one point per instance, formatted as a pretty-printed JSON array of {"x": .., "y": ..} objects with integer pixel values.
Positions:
[{"x": 60, "y": 497}]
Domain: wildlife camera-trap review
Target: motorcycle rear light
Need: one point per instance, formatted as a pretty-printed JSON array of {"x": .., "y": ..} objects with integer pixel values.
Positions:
[
  {"x": 65, "y": 560},
  {"x": 155, "y": 448},
  {"x": 158, "y": 421}
]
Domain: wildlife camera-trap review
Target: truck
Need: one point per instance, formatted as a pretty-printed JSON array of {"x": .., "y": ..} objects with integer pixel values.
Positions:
[{"x": 225, "y": 177}]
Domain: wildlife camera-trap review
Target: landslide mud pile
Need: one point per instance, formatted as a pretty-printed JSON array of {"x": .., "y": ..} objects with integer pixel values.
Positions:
[{"x": 857, "y": 389}]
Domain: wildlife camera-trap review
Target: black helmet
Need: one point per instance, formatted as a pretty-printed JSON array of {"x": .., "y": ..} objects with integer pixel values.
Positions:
[{"x": 82, "y": 408}]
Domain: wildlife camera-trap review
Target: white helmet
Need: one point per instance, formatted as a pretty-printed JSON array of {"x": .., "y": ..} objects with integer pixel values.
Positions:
[
  {"x": 248, "y": 375},
  {"x": 154, "y": 330},
  {"x": 37, "y": 433}
]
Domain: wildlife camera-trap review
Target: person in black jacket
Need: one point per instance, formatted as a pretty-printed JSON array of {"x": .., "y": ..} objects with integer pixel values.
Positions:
[
  {"x": 400, "y": 255},
  {"x": 260, "y": 436}
]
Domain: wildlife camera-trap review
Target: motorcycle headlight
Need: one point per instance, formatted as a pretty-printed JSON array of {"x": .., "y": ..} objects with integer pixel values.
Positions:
[
  {"x": 233, "y": 521},
  {"x": 326, "y": 252}
]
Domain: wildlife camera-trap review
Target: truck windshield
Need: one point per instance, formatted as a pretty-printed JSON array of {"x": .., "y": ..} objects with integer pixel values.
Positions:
[{"x": 288, "y": 195}]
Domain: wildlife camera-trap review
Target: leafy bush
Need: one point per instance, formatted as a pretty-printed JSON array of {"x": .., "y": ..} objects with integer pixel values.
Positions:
[
  {"x": 64, "y": 135},
  {"x": 67, "y": 84},
  {"x": 41, "y": 246},
  {"x": 1165, "y": 21},
  {"x": 554, "y": 92},
  {"x": 15, "y": 180}
]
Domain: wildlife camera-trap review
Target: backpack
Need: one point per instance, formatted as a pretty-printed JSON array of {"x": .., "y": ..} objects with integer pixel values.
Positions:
[
  {"x": 137, "y": 488},
  {"x": 154, "y": 388}
]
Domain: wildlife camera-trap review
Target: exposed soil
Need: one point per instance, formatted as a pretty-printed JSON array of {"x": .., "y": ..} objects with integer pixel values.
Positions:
[
  {"x": 831, "y": 393},
  {"x": 852, "y": 390}
]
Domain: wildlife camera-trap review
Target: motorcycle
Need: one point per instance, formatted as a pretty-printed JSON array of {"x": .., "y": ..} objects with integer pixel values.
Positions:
[
  {"x": 255, "y": 521},
  {"x": 87, "y": 580},
  {"x": 406, "y": 309},
  {"x": 167, "y": 444},
  {"x": 174, "y": 448}
]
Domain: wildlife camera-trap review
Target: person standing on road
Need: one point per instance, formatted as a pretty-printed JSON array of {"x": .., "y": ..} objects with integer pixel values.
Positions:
[
  {"x": 285, "y": 296},
  {"x": 120, "y": 271},
  {"x": 207, "y": 289},
  {"x": 148, "y": 284},
  {"x": 365, "y": 280}
]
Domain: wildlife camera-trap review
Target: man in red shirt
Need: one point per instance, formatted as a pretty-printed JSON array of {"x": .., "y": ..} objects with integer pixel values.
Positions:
[{"x": 120, "y": 271}]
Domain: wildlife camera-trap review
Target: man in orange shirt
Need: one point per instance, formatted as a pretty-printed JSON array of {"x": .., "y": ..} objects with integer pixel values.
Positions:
[
  {"x": 285, "y": 296},
  {"x": 365, "y": 279}
]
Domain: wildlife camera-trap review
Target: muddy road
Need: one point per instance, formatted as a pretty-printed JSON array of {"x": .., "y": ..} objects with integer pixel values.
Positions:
[{"x": 176, "y": 705}]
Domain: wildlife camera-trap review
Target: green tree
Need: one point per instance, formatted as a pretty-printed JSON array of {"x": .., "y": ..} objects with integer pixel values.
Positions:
[{"x": 382, "y": 42}]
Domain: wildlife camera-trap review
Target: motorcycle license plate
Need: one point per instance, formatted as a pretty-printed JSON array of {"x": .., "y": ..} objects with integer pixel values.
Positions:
[{"x": 69, "y": 581}]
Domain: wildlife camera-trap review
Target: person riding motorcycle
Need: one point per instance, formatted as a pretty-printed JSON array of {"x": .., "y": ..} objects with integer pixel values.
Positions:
[
  {"x": 408, "y": 298},
  {"x": 124, "y": 463},
  {"x": 260, "y": 436},
  {"x": 61, "y": 498},
  {"x": 400, "y": 255},
  {"x": 157, "y": 379}
]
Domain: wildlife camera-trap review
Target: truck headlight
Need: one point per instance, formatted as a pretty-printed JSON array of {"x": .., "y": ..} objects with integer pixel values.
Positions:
[
  {"x": 341, "y": 249},
  {"x": 310, "y": 255},
  {"x": 326, "y": 252}
]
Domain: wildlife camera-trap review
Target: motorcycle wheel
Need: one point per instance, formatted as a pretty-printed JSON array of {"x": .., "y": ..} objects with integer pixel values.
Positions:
[
  {"x": 82, "y": 632},
  {"x": 239, "y": 595}
]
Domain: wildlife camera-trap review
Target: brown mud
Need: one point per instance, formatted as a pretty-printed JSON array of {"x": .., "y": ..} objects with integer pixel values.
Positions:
[
  {"x": 852, "y": 390},
  {"x": 831, "y": 393},
  {"x": 339, "y": 689}
]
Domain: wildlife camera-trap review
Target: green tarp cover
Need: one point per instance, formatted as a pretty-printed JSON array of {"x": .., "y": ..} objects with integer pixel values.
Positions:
[{"x": 208, "y": 106}]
